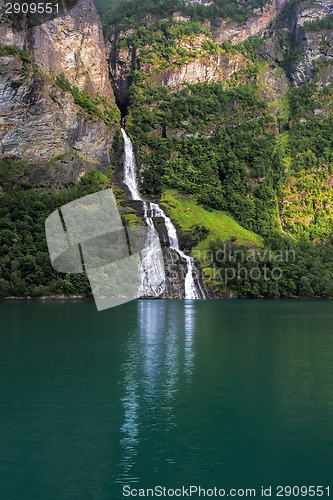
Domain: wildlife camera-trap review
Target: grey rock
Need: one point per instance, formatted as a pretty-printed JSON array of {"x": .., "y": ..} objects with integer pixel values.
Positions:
[{"x": 39, "y": 121}]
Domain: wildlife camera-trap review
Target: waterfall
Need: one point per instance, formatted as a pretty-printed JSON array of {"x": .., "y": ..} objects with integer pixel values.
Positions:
[
  {"x": 129, "y": 168},
  {"x": 150, "y": 267},
  {"x": 191, "y": 291}
]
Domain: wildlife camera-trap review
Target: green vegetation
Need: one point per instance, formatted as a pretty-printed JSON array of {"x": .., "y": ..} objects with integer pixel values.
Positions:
[
  {"x": 99, "y": 108},
  {"x": 319, "y": 24},
  {"x": 130, "y": 13},
  {"x": 184, "y": 211},
  {"x": 165, "y": 43},
  {"x": 13, "y": 50},
  {"x": 130, "y": 220},
  {"x": 288, "y": 269},
  {"x": 219, "y": 144},
  {"x": 307, "y": 198},
  {"x": 249, "y": 48},
  {"x": 55, "y": 99},
  {"x": 25, "y": 267},
  {"x": 169, "y": 44},
  {"x": 306, "y": 210}
]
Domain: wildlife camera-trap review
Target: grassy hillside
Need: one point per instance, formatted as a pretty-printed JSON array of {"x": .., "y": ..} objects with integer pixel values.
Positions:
[{"x": 184, "y": 210}]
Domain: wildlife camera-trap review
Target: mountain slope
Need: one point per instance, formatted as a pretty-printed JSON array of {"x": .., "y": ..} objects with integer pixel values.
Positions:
[
  {"x": 241, "y": 122},
  {"x": 181, "y": 80},
  {"x": 58, "y": 121},
  {"x": 228, "y": 103}
]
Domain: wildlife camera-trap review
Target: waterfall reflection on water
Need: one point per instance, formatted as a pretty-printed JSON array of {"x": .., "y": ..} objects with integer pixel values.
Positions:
[{"x": 160, "y": 358}]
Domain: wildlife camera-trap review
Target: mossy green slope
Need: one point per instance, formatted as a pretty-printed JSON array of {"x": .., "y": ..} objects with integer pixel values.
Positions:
[{"x": 185, "y": 211}]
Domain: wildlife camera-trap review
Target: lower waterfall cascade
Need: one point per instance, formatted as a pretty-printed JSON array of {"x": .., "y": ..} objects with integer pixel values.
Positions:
[{"x": 151, "y": 263}]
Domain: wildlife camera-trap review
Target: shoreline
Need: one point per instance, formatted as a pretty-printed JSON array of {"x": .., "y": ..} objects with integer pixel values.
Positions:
[
  {"x": 79, "y": 298},
  {"x": 47, "y": 298}
]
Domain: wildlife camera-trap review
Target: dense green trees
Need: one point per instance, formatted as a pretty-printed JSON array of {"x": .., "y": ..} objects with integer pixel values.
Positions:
[
  {"x": 25, "y": 267},
  {"x": 219, "y": 143},
  {"x": 288, "y": 269},
  {"x": 158, "y": 43},
  {"x": 131, "y": 13},
  {"x": 308, "y": 208}
]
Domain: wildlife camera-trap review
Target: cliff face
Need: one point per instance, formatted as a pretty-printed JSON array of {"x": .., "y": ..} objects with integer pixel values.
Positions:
[
  {"x": 121, "y": 64},
  {"x": 305, "y": 42},
  {"x": 40, "y": 121},
  {"x": 74, "y": 45},
  {"x": 285, "y": 25},
  {"x": 207, "y": 66},
  {"x": 256, "y": 25},
  {"x": 200, "y": 64},
  {"x": 210, "y": 69}
]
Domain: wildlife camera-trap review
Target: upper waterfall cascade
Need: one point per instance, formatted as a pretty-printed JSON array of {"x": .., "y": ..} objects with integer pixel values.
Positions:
[
  {"x": 129, "y": 168},
  {"x": 151, "y": 264}
]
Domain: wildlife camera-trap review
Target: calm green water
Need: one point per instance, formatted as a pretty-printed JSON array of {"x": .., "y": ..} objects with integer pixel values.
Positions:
[{"x": 227, "y": 394}]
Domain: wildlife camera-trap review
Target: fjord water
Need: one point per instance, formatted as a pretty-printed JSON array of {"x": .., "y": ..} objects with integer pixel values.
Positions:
[{"x": 213, "y": 393}]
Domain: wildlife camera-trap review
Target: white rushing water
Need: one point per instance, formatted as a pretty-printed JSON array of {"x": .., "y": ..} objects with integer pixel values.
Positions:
[
  {"x": 191, "y": 291},
  {"x": 150, "y": 267},
  {"x": 129, "y": 168}
]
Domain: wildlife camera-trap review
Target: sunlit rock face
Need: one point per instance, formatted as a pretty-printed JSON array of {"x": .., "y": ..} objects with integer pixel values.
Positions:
[
  {"x": 318, "y": 9},
  {"x": 316, "y": 45},
  {"x": 74, "y": 45},
  {"x": 215, "y": 68},
  {"x": 209, "y": 68},
  {"x": 38, "y": 120},
  {"x": 256, "y": 25}
]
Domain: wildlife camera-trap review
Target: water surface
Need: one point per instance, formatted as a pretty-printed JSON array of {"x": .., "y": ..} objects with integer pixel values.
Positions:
[{"x": 233, "y": 394}]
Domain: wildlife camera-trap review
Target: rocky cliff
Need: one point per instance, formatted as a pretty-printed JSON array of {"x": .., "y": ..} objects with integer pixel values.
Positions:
[
  {"x": 259, "y": 21},
  {"x": 301, "y": 40},
  {"x": 288, "y": 28},
  {"x": 40, "y": 120},
  {"x": 200, "y": 58}
]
